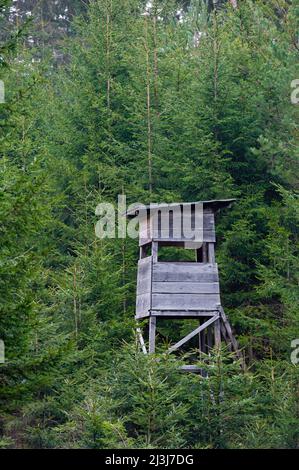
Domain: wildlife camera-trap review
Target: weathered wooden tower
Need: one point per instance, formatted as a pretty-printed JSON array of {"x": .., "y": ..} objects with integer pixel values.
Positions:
[{"x": 176, "y": 289}]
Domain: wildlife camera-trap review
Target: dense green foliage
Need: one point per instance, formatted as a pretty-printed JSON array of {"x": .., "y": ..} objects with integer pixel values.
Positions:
[{"x": 160, "y": 107}]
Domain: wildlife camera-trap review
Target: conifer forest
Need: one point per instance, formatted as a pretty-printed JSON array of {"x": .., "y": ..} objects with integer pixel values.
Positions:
[{"x": 159, "y": 101}]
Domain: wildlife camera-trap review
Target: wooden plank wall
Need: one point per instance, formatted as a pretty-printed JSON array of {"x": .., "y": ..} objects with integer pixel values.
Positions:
[
  {"x": 144, "y": 283},
  {"x": 185, "y": 286}
]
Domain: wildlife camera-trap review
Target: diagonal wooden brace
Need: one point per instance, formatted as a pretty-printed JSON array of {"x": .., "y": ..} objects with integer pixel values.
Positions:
[{"x": 193, "y": 333}]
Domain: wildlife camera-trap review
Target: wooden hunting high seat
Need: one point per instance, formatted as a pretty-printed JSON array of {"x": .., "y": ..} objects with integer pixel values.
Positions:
[{"x": 180, "y": 289}]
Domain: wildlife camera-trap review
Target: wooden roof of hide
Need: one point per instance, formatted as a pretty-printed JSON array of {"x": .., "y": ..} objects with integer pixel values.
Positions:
[{"x": 214, "y": 204}]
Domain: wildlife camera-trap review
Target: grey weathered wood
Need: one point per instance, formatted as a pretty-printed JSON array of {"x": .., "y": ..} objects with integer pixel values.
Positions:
[
  {"x": 143, "y": 304},
  {"x": 169, "y": 234},
  {"x": 165, "y": 241},
  {"x": 209, "y": 337},
  {"x": 155, "y": 251},
  {"x": 152, "y": 334},
  {"x": 211, "y": 206},
  {"x": 224, "y": 335},
  {"x": 183, "y": 313},
  {"x": 185, "y": 287},
  {"x": 145, "y": 267},
  {"x": 193, "y": 333},
  {"x": 208, "y": 236},
  {"x": 185, "y": 301},
  {"x": 144, "y": 235},
  {"x": 217, "y": 333},
  {"x": 186, "y": 266},
  {"x": 144, "y": 279},
  {"x": 144, "y": 284},
  {"x": 143, "y": 263},
  {"x": 140, "y": 316},
  {"x": 153, "y": 229},
  {"x": 204, "y": 253},
  {"x": 156, "y": 226},
  {"x": 141, "y": 340},
  {"x": 211, "y": 253},
  {"x": 181, "y": 290},
  {"x": 189, "y": 276},
  {"x": 144, "y": 241},
  {"x": 191, "y": 368},
  {"x": 185, "y": 272}
]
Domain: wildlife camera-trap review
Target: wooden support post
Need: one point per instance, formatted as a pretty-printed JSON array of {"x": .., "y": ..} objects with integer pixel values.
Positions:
[
  {"x": 217, "y": 333},
  {"x": 155, "y": 252},
  {"x": 204, "y": 253},
  {"x": 211, "y": 254},
  {"x": 209, "y": 339},
  {"x": 152, "y": 334}
]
